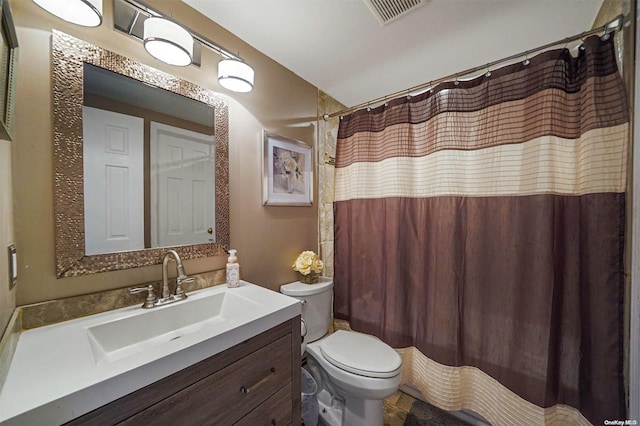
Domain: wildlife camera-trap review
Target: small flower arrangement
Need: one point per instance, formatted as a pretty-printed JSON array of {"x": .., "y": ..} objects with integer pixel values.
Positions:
[
  {"x": 289, "y": 164},
  {"x": 309, "y": 266}
]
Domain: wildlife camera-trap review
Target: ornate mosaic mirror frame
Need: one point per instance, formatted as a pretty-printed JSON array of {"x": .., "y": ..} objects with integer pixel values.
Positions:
[{"x": 68, "y": 57}]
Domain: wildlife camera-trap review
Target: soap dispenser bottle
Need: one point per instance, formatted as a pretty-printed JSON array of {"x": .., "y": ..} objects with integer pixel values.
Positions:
[{"x": 233, "y": 270}]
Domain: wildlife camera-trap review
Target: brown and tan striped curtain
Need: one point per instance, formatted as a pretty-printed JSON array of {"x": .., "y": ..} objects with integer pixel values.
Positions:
[{"x": 482, "y": 224}]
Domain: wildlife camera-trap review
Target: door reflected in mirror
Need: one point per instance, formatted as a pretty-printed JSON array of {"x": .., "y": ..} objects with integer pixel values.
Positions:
[
  {"x": 149, "y": 165},
  {"x": 131, "y": 183}
]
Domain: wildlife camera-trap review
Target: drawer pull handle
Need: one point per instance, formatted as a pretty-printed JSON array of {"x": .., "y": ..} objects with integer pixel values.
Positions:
[{"x": 246, "y": 390}]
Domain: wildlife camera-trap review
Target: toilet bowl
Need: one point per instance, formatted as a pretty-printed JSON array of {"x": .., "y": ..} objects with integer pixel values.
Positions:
[{"x": 355, "y": 372}]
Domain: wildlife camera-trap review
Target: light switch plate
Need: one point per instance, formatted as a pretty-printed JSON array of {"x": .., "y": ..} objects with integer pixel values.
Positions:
[{"x": 13, "y": 266}]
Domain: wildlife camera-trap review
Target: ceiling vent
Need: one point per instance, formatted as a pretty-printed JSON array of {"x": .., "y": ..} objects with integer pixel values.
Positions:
[{"x": 389, "y": 10}]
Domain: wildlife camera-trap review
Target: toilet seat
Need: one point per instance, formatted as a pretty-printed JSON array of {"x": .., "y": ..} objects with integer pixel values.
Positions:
[{"x": 361, "y": 354}]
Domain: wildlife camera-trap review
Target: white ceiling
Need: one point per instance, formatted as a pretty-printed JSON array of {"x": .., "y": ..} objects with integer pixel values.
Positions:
[{"x": 340, "y": 47}]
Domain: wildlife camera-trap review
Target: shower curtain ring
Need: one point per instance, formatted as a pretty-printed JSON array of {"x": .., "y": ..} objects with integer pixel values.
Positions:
[
  {"x": 582, "y": 47},
  {"x": 526, "y": 59},
  {"x": 431, "y": 87},
  {"x": 605, "y": 35},
  {"x": 456, "y": 82},
  {"x": 488, "y": 73}
]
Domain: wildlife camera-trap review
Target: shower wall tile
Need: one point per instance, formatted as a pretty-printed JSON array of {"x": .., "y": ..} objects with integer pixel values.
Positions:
[
  {"x": 328, "y": 176},
  {"x": 326, "y": 249},
  {"x": 331, "y": 136},
  {"x": 327, "y": 135},
  {"x": 321, "y": 219},
  {"x": 321, "y": 179},
  {"x": 326, "y": 222}
]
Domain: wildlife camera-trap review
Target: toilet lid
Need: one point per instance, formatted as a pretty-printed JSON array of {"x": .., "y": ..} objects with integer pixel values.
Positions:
[
  {"x": 361, "y": 354},
  {"x": 297, "y": 289}
]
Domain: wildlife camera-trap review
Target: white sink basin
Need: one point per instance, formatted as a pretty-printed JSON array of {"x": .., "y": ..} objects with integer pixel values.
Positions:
[
  {"x": 123, "y": 337},
  {"x": 63, "y": 370}
]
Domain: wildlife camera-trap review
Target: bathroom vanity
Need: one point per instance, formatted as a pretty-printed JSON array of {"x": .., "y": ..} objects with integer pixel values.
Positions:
[
  {"x": 223, "y": 356},
  {"x": 249, "y": 384}
]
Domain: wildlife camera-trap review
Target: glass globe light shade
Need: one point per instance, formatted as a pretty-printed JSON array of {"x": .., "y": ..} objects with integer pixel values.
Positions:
[
  {"x": 87, "y": 13},
  {"x": 235, "y": 75},
  {"x": 167, "y": 41}
]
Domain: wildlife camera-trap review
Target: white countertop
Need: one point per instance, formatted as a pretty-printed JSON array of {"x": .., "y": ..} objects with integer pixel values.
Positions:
[{"x": 54, "y": 376}]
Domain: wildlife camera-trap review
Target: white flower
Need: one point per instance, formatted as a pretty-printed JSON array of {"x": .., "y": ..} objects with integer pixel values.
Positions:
[
  {"x": 308, "y": 262},
  {"x": 289, "y": 165}
]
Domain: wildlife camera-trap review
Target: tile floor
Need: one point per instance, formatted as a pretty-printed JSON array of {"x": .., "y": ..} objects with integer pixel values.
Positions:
[
  {"x": 396, "y": 408},
  {"x": 398, "y": 412}
]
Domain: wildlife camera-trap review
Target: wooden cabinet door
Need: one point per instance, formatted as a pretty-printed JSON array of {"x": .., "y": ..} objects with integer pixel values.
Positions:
[
  {"x": 275, "y": 411},
  {"x": 228, "y": 395}
]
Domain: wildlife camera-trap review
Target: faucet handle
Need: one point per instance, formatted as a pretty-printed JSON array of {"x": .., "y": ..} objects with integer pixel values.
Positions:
[
  {"x": 151, "y": 297},
  {"x": 182, "y": 279}
]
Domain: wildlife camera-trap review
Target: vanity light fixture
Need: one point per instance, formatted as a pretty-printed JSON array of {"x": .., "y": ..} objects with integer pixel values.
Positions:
[
  {"x": 167, "y": 41},
  {"x": 177, "y": 44},
  {"x": 87, "y": 13},
  {"x": 235, "y": 75}
]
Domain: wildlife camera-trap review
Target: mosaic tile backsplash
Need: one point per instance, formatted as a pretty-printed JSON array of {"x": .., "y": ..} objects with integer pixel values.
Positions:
[{"x": 55, "y": 311}]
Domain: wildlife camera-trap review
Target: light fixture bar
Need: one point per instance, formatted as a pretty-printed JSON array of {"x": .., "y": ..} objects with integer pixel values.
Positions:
[
  {"x": 215, "y": 47},
  {"x": 129, "y": 17},
  {"x": 132, "y": 24}
]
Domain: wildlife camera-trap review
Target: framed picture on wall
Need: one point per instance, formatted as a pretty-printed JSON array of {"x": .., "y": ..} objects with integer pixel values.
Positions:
[{"x": 287, "y": 171}]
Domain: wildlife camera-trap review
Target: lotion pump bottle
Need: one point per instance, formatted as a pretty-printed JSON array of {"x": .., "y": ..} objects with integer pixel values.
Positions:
[{"x": 233, "y": 270}]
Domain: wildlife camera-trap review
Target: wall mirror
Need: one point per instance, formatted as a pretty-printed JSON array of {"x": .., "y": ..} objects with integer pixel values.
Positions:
[{"x": 133, "y": 209}]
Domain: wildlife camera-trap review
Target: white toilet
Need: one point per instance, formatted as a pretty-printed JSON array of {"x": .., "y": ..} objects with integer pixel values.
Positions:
[{"x": 355, "y": 372}]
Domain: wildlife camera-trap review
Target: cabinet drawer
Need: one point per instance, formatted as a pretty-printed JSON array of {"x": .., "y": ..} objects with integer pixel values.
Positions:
[
  {"x": 276, "y": 411},
  {"x": 227, "y": 395}
]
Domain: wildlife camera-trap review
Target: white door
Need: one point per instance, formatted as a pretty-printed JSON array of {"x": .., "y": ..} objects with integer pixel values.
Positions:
[
  {"x": 113, "y": 181},
  {"x": 182, "y": 186}
]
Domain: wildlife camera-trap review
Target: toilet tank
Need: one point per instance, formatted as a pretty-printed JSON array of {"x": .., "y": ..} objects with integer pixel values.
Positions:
[{"x": 317, "y": 300}]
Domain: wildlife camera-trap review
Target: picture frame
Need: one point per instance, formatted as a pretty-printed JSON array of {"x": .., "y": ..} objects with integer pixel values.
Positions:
[{"x": 287, "y": 171}]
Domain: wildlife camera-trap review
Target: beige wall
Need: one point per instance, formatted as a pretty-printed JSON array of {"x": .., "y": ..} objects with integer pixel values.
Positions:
[
  {"x": 267, "y": 238},
  {"x": 7, "y": 298}
]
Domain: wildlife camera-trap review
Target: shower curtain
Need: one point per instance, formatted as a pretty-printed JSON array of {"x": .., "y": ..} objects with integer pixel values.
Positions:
[{"x": 482, "y": 224}]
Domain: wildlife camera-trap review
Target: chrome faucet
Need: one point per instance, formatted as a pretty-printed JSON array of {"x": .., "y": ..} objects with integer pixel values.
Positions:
[
  {"x": 181, "y": 279},
  {"x": 167, "y": 297}
]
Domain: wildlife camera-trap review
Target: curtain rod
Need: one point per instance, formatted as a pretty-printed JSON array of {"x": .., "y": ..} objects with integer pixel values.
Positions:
[{"x": 614, "y": 25}]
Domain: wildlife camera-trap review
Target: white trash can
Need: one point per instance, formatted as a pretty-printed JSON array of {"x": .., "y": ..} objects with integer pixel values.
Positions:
[{"x": 309, "y": 403}]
